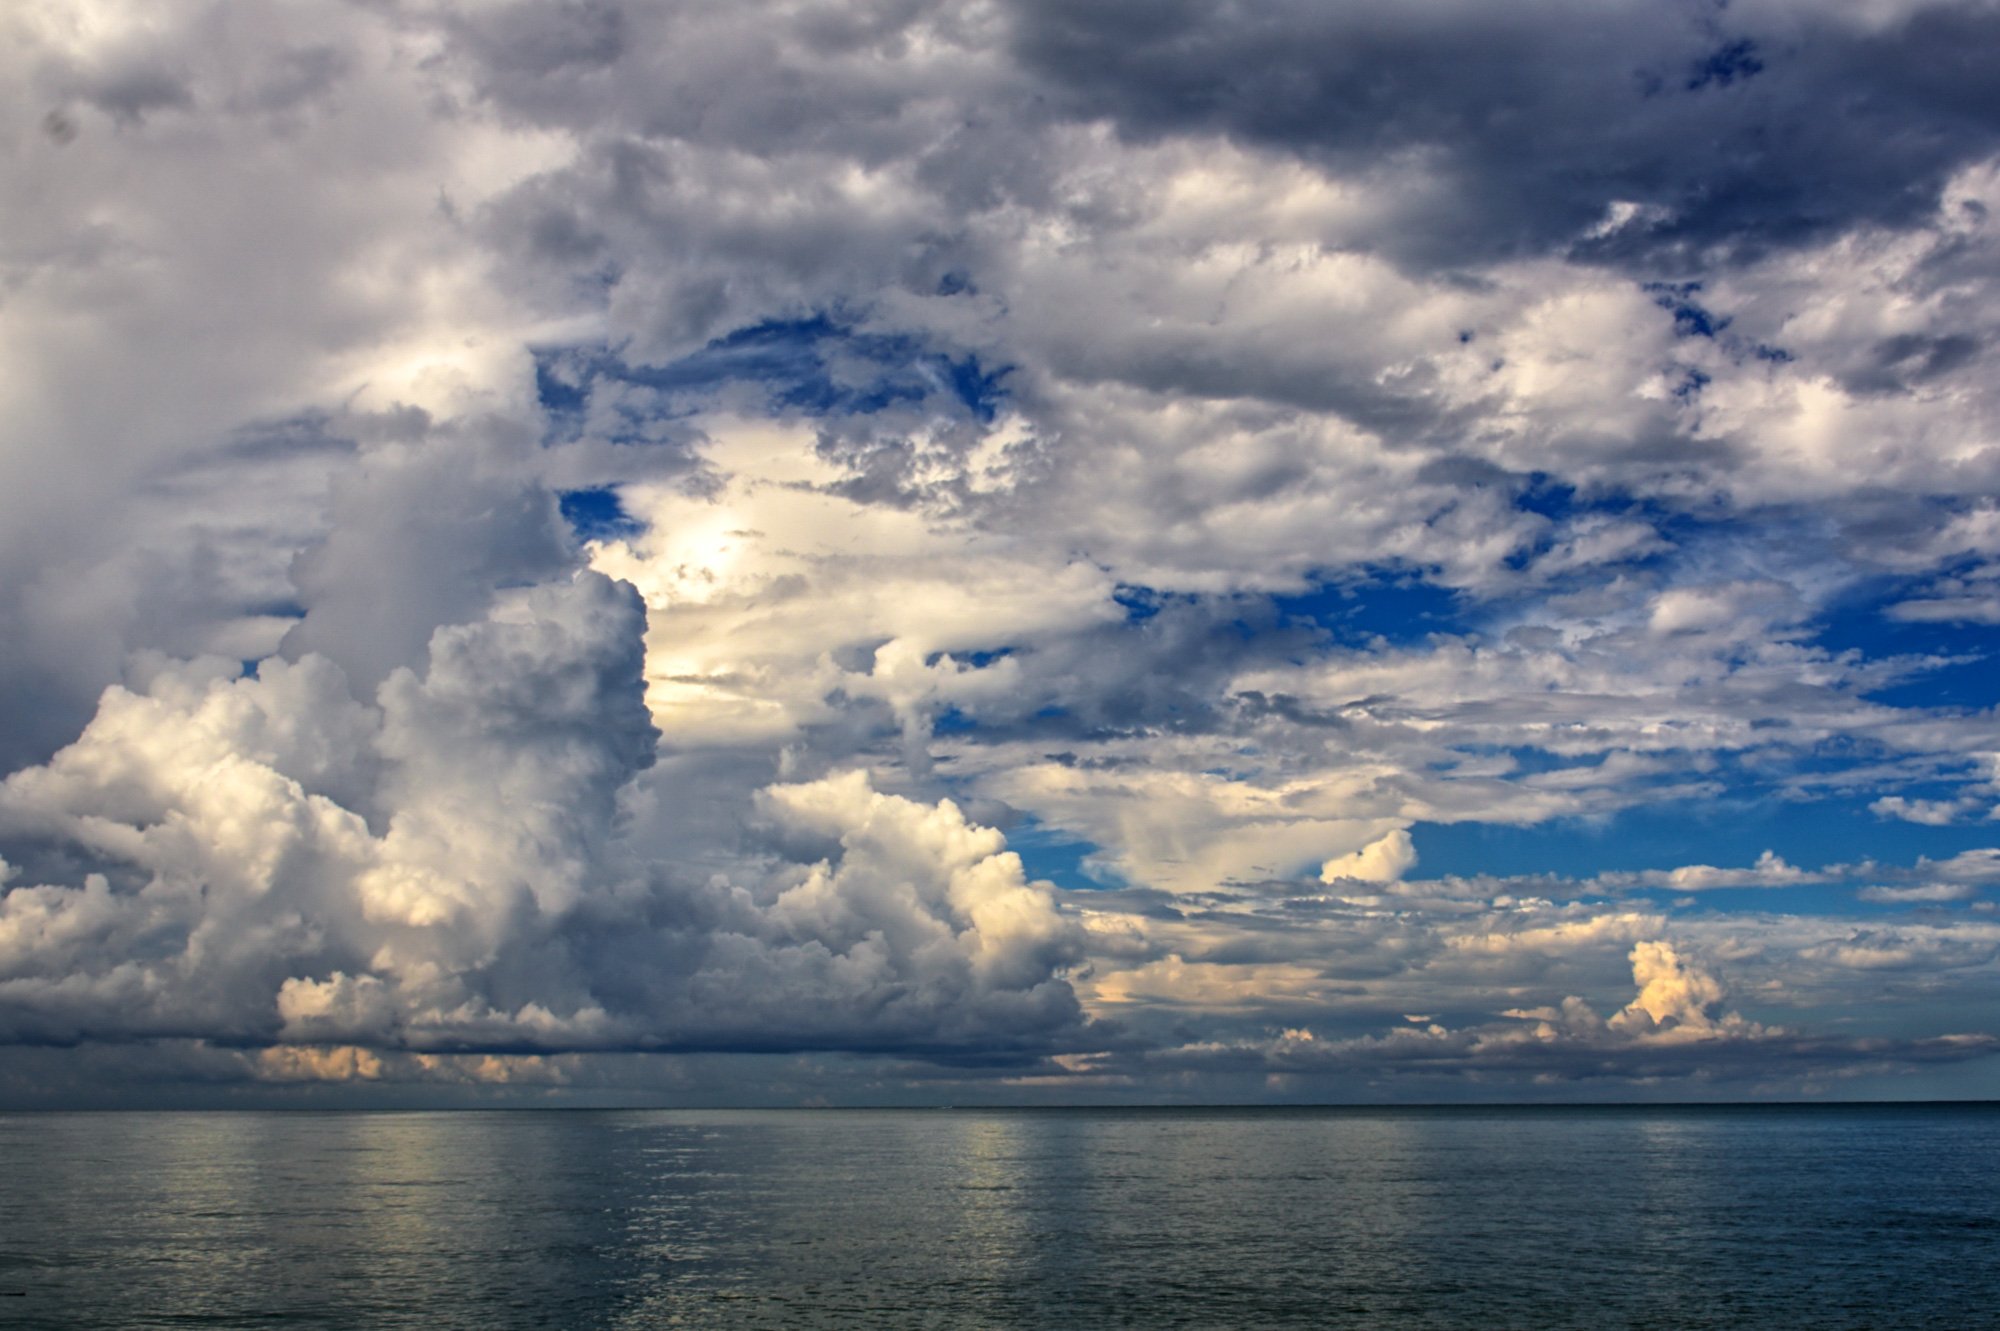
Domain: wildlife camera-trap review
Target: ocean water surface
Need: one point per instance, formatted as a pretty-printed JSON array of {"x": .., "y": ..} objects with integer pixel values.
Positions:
[{"x": 1862, "y": 1216}]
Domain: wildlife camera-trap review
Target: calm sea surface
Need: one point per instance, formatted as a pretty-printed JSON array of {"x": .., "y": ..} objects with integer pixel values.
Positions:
[{"x": 1820, "y": 1217}]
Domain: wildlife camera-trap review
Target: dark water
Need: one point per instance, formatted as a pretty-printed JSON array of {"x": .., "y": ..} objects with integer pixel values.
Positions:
[{"x": 1822, "y": 1217}]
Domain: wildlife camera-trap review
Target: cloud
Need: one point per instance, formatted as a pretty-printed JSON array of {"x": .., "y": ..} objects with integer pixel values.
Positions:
[
  {"x": 1770, "y": 870},
  {"x": 1968, "y": 866},
  {"x": 472, "y": 893},
  {"x": 326, "y": 1063},
  {"x": 587, "y": 531},
  {"x": 1919, "y": 894},
  {"x": 1669, "y": 1033},
  {"x": 1674, "y": 999},
  {"x": 1703, "y": 126},
  {"x": 1932, "y": 813},
  {"x": 420, "y": 536},
  {"x": 1381, "y": 861},
  {"x": 1675, "y": 1006},
  {"x": 1947, "y": 610},
  {"x": 216, "y": 803}
]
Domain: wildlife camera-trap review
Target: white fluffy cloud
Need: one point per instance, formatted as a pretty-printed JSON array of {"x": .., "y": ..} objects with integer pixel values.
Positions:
[
  {"x": 443, "y": 869},
  {"x": 1381, "y": 861}
]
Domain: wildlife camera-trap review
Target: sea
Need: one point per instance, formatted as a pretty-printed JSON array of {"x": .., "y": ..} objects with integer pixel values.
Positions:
[{"x": 1877, "y": 1216}]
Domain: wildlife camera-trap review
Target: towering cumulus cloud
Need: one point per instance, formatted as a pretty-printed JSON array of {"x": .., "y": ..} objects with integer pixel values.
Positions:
[
  {"x": 970, "y": 549},
  {"x": 471, "y": 892}
]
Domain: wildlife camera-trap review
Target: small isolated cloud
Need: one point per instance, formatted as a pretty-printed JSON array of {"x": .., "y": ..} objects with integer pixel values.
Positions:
[
  {"x": 1382, "y": 861},
  {"x": 1676, "y": 1000}
]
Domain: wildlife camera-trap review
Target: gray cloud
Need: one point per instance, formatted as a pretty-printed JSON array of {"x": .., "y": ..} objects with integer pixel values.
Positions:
[
  {"x": 1732, "y": 129},
  {"x": 420, "y": 537}
]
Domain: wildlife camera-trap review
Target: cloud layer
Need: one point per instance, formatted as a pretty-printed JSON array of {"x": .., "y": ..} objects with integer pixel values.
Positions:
[{"x": 987, "y": 547}]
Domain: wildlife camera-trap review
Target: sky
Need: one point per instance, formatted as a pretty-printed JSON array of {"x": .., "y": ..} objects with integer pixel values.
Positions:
[{"x": 999, "y": 551}]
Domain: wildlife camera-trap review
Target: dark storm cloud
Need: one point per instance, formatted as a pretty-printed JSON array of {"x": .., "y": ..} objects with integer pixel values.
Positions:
[{"x": 1746, "y": 127}]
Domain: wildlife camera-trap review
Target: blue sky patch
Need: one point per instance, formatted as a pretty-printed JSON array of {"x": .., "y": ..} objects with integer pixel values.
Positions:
[
  {"x": 597, "y": 515},
  {"x": 1964, "y": 678},
  {"x": 819, "y": 365},
  {"x": 1731, "y": 63},
  {"x": 1725, "y": 833},
  {"x": 1047, "y": 853},
  {"x": 1140, "y": 603},
  {"x": 1691, "y": 317},
  {"x": 1400, "y": 608}
]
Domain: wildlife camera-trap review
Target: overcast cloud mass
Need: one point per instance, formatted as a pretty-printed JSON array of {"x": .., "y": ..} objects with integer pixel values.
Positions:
[{"x": 999, "y": 550}]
